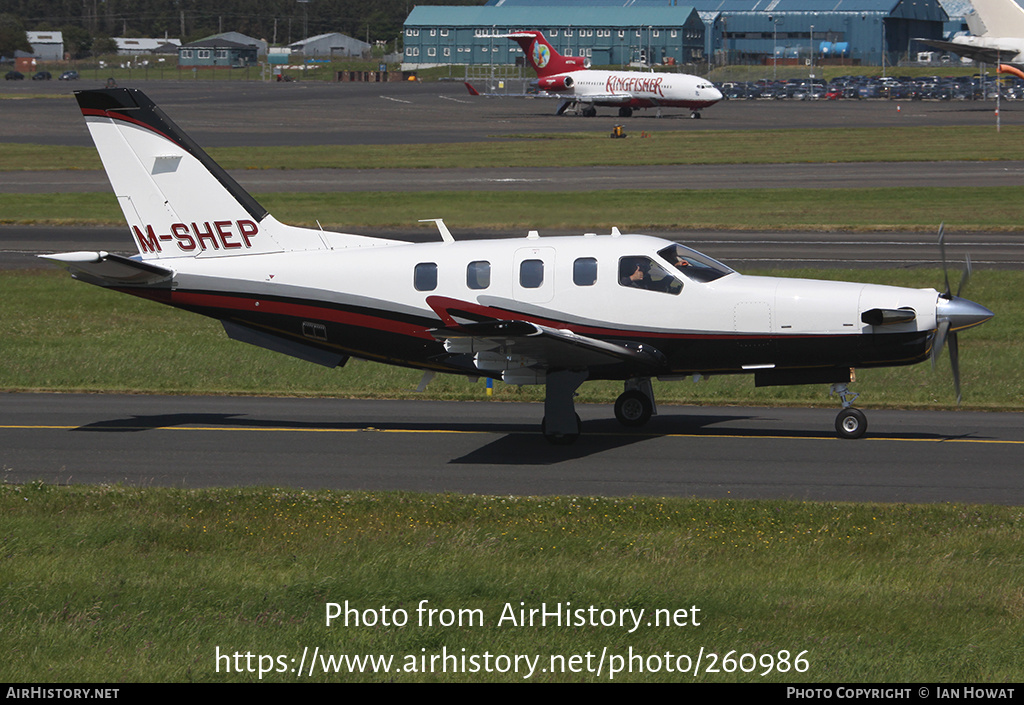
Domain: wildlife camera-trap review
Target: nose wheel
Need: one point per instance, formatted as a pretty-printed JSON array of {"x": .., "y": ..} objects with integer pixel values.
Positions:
[{"x": 850, "y": 422}]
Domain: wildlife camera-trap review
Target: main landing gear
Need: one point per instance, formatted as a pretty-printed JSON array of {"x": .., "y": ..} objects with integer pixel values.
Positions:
[
  {"x": 850, "y": 422},
  {"x": 635, "y": 405},
  {"x": 561, "y": 424}
]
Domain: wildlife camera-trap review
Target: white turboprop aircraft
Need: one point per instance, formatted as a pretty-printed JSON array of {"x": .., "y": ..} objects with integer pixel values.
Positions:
[
  {"x": 554, "y": 311},
  {"x": 568, "y": 76},
  {"x": 997, "y": 27}
]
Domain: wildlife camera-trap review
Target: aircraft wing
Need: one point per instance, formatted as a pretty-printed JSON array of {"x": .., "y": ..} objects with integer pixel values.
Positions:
[
  {"x": 977, "y": 52},
  {"x": 473, "y": 91},
  {"x": 106, "y": 269},
  {"x": 605, "y": 99},
  {"x": 531, "y": 344}
]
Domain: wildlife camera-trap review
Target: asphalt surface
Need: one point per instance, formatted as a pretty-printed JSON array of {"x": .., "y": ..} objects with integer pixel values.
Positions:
[
  {"x": 234, "y": 114},
  {"x": 495, "y": 448}
]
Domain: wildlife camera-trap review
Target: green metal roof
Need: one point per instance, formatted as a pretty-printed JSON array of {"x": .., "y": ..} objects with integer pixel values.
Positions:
[{"x": 531, "y": 17}]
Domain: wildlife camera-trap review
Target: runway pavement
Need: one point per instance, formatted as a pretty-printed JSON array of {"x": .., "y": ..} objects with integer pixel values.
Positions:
[
  {"x": 495, "y": 448},
  {"x": 226, "y": 114}
]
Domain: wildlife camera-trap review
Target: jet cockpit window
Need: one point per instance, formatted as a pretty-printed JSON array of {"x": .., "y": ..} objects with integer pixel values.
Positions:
[
  {"x": 478, "y": 275},
  {"x": 425, "y": 276},
  {"x": 698, "y": 267},
  {"x": 644, "y": 273}
]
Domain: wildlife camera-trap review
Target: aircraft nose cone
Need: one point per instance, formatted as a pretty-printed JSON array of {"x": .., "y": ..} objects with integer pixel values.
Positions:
[
  {"x": 716, "y": 95},
  {"x": 961, "y": 313}
]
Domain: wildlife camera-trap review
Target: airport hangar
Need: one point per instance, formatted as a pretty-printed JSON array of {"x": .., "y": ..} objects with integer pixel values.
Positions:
[{"x": 715, "y": 32}]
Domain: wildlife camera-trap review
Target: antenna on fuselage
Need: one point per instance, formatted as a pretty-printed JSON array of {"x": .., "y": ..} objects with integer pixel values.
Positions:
[{"x": 446, "y": 234}]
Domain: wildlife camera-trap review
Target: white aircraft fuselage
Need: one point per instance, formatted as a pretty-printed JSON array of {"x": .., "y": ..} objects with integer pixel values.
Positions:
[
  {"x": 553, "y": 311},
  {"x": 633, "y": 89}
]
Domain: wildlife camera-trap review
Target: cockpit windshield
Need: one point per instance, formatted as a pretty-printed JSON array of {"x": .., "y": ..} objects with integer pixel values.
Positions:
[{"x": 694, "y": 265}]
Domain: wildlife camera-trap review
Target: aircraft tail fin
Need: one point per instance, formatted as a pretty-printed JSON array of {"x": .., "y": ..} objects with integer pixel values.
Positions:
[
  {"x": 178, "y": 202},
  {"x": 996, "y": 18},
  {"x": 542, "y": 57}
]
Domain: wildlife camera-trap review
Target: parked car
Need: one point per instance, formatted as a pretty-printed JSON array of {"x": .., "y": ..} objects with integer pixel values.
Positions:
[
  {"x": 69, "y": 76},
  {"x": 14, "y": 76},
  {"x": 42, "y": 76}
]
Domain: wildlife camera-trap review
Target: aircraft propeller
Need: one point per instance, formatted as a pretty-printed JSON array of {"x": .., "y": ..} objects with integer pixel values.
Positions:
[{"x": 953, "y": 314}]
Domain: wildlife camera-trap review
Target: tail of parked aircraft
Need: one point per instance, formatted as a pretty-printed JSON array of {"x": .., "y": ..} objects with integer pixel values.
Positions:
[
  {"x": 542, "y": 57},
  {"x": 996, "y": 18},
  {"x": 178, "y": 202}
]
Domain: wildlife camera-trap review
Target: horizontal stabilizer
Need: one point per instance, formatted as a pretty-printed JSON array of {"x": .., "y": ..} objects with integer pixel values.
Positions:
[{"x": 107, "y": 269}]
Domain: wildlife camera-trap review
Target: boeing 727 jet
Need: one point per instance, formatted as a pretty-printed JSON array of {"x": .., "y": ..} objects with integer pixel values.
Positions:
[{"x": 569, "y": 77}]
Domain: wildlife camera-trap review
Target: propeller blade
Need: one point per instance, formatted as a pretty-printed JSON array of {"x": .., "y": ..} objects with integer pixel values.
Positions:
[
  {"x": 965, "y": 277},
  {"x": 954, "y": 361},
  {"x": 940, "y": 340},
  {"x": 942, "y": 252}
]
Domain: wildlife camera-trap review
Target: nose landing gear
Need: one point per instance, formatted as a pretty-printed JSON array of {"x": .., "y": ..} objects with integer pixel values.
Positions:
[{"x": 850, "y": 422}]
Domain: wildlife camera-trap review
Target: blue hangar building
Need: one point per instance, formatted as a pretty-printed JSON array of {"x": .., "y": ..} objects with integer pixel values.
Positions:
[{"x": 703, "y": 32}]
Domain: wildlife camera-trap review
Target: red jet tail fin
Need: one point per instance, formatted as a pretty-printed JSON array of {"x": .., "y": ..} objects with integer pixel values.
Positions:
[{"x": 542, "y": 57}]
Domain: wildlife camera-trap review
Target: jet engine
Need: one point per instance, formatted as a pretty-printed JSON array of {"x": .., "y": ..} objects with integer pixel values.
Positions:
[{"x": 556, "y": 83}]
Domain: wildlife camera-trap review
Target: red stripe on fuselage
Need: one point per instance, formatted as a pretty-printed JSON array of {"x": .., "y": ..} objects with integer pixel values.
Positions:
[{"x": 272, "y": 307}]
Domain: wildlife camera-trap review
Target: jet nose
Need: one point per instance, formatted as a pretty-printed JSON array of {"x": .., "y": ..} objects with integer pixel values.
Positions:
[
  {"x": 961, "y": 313},
  {"x": 715, "y": 94}
]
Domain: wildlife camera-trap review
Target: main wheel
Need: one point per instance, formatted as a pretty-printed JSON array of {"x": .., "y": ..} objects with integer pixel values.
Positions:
[
  {"x": 633, "y": 408},
  {"x": 561, "y": 439},
  {"x": 851, "y": 423}
]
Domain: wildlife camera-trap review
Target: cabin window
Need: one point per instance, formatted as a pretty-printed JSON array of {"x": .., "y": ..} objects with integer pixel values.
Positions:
[
  {"x": 584, "y": 271},
  {"x": 478, "y": 275},
  {"x": 531, "y": 273},
  {"x": 425, "y": 276},
  {"x": 640, "y": 272}
]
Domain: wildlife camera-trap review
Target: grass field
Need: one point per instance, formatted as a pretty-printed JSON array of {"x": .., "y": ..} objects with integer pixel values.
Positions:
[
  {"x": 121, "y": 584},
  {"x": 871, "y": 209},
  {"x": 921, "y": 143}
]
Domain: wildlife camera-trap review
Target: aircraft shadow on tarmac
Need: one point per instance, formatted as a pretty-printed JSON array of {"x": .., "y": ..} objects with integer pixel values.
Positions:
[{"x": 520, "y": 443}]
